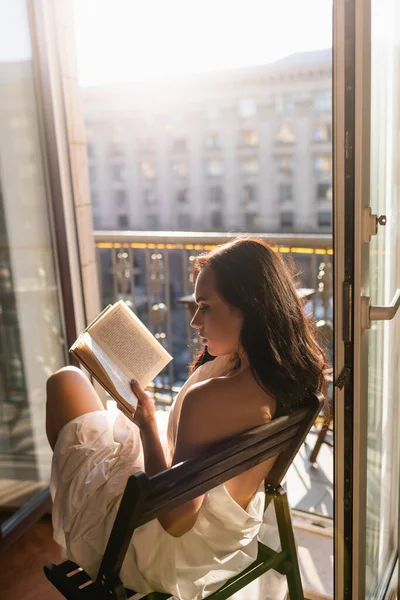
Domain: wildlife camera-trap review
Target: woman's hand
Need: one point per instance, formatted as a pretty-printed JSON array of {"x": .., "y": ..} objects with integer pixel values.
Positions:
[{"x": 145, "y": 415}]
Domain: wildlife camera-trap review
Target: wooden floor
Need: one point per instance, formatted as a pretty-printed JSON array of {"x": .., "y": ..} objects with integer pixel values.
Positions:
[{"x": 21, "y": 572}]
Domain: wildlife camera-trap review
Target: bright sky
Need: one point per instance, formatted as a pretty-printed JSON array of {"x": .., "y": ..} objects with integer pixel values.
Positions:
[{"x": 128, "y": 40}]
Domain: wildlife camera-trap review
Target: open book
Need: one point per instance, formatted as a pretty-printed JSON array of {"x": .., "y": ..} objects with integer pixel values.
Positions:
[{"x": 116, "y": 348}]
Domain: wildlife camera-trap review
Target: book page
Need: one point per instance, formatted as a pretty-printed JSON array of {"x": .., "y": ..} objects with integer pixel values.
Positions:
[
  {"x": 118, "y": 378},
  {"x": 129, "y": 344}
]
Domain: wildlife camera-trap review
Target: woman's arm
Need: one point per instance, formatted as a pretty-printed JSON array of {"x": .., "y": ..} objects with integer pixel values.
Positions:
[{"x": 181, "y": 519}]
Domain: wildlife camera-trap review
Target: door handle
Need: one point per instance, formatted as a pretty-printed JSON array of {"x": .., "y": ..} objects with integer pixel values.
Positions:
[{"x": 378, "y": 313}]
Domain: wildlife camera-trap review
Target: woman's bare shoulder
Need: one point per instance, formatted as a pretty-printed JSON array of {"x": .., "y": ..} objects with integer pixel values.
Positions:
[{"x": 223, "y": 406}]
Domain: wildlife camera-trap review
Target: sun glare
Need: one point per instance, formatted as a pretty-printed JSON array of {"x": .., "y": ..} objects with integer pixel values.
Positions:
[{"x": 127, "y": 40}]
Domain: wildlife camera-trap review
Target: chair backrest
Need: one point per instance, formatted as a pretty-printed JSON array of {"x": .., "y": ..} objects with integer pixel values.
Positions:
[{"x": 146, "y": 498}]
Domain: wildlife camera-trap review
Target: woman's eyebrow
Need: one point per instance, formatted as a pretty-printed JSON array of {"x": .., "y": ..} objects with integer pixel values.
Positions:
[{"x": 200, "y": 299}]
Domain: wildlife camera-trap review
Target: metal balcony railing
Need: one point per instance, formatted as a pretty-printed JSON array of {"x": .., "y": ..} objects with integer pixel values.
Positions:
[{"x": 151, "y": 271}]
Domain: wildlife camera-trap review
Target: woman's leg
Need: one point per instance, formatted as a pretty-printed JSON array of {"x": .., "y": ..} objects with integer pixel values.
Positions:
[{"x": 69, "y": 395}]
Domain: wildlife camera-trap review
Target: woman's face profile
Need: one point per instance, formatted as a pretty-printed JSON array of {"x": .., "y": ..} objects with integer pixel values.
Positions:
[{"x": 217, "y": 323}]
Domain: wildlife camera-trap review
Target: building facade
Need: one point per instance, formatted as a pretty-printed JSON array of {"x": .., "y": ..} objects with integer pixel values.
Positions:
[{"x": 240, "y": 150}]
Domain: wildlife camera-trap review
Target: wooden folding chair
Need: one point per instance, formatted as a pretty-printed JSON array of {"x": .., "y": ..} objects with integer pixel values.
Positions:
[{"x": 145, "y": 498}]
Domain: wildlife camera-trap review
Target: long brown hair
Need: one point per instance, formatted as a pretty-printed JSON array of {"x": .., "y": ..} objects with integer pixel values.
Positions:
[{"x": 277, "y": 336}]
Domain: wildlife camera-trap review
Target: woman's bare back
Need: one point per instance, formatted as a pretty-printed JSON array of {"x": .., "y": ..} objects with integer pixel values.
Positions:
[{"x": 227, "y": 406}]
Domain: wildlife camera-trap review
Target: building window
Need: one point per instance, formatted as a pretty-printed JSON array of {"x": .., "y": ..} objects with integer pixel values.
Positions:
[
  {"x": 285, "y": 135},
  {"x": 179, "y": 145},
  {"x": 180, "y": 169},
  {"x": 323, "y": 133},
  {"x": 323, "y": 101},
  {"x": 147, "y": 145},
  {"x": 323, "y": 163},
  {"x": 249, "y": 137},
  {"x": 123, "y": 222},
  {"x": 286, "y": 221},
  {"x": 148, "y": 169},
  {"x": 324, "y": 191},
  {"x": 286, "y": 163},
  {"x": 117, "y": 149},
  {"x": 216, "y": 220},
  {"x": 325, "y": 219},
  {"x": 284, "y": 105},
  {"x": 216, "y": 194},
  {"x": 250, "y": 166},
  {"x": 119, "y": 173},
  {"x": 90, "y": 150},
  {"x": 149, "y": 196},
  {"x": 182, "y": 196},
  {"x": 92, "y": 174},
  {"x": 212, "y": 140},
  {"x": 184, "y": 222},
  {"x": 214, "y": 168},
  {"x": 252, "y": 221},
  {"x": 212, "y": 112},
  {"x": 120, "y": 197},
  {"x": 247, "y": 108},
  {"x": 93, "y": 198},
  {"x": 152, "y": 221},
  {"x": 249, "y": 194},
  {"x": 96, "y": 222},
  {"x": 285, "y": 192}
]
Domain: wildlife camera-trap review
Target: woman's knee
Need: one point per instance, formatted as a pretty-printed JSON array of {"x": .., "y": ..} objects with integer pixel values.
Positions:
[{"x": 70, "y": 393}]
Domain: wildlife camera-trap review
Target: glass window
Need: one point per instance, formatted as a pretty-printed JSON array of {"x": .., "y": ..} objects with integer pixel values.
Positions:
[
  {"x": 249, "y": 137},
  {"x": 97, "y": 221},
  {"x": 152, "y": 222},
  {"x": 92, "y": 174},
  {"x": 212, "y": 140},
  {"x": 249, "y": 194},
  {"x": 323, "y": 133},
  {"x": 90, "y": 150},
  {"x": 148, "y": 169},
  {"x": 285, "y": 135},
  {"x": 119, "y": 173},
  {"x": 93, "y": 198},
  {"x": 286, "y": 221},
  {"x": 120, "y": 197},
  {"x": 31, "y": 332},
  {"x": 323, "y": 101},
  {"x": 179, "y": 145},
  {"x": 214, "y": 168},
  {"x": 184, "y": 222},
  {"x": 324, "y": 191},
  {"x": 216, "y": 220},
  {"x": 284, "y": 105},
  {"x": 216, "y": 194},
  {"x": 149, "y": 196},
  {"x": 116, "y": 149},
  {"x": 252, "y": 221},
  {"x": 286, "y": 163},
  {"x": 123, "y": 222},
  {"x": 247, "y": 108},
  {"x": 250, "y": 166},
  {"x": 323, "y": 163},
  {"x": 285, "y": 192},
  {"x": 325, "y": 219},
  {"x": 182, "y": 196},
  {"x": 180, "y": 169},
  {"x": 147, "y": 144}
]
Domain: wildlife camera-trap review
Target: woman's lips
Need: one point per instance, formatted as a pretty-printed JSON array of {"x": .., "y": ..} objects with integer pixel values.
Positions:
[{"x": 204, "y": 341}]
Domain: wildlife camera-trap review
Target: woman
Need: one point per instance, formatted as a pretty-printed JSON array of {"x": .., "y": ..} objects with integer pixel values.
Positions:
[{"x": 260, "y": 359}]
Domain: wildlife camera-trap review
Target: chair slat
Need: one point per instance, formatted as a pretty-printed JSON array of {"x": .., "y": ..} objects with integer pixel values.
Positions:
[
  {"x": 225, "y": 449},
  {"x": 202, "y": 482}
]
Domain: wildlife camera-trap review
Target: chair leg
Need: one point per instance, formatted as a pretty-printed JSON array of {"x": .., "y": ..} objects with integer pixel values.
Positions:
[
  {"x": 322, "y": 435},
  {"x": 288, "y": 543}
]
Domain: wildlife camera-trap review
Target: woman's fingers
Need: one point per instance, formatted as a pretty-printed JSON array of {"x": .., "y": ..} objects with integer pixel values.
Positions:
[{"x": 137, "y": 389}]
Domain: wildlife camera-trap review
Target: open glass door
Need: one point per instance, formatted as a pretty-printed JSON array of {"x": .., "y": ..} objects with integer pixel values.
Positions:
[{"x": 367, "y": 288}]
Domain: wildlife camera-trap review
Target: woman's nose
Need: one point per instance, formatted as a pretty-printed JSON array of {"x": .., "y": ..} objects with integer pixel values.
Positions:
[{"x": 195, "y": 322}]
